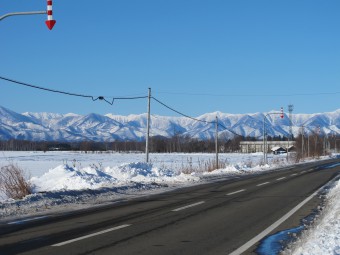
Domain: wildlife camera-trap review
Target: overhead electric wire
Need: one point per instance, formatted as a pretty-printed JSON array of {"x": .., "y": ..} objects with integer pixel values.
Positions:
[
  {"x": 248, "y": 95},
  {"x": 180, "y": 113},
  {"x": 195, "y": 119},
  {"x": 94, "y": 98}
]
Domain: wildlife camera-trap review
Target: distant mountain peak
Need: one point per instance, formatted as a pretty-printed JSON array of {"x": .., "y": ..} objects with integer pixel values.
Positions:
[{"x": 74, "y": 127}]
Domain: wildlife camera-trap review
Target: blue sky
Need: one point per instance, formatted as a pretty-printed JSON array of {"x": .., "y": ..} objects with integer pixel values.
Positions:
[{"x": 197, "y": 56}]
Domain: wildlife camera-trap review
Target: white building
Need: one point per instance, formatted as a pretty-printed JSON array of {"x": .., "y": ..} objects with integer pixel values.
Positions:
[{"x": 257, "y": 146}]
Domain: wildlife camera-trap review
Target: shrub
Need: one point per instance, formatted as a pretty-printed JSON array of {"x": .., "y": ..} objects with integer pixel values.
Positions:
[
  {"x": 13, "y": 182},
  {"x": 202, "y": 166}
]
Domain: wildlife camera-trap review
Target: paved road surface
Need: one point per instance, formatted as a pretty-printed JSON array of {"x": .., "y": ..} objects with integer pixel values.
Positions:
[{"x": 214, "y": 218}]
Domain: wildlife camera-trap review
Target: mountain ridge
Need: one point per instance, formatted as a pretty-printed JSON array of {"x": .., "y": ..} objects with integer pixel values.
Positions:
[{"x": 109, "y": 127}]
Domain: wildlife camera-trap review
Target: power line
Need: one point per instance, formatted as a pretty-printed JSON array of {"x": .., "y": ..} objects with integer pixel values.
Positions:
[
  {"x": 249, "y": 95},
  {"x": 195, "y": 119},
  {"x": 94, "y": 98},
  {"x": 184, "y": 115}
]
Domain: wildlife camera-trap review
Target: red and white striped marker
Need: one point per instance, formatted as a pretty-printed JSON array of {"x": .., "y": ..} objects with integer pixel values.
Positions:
[
  {"x": 281, "y": 113},
  {"x": 50, "y": 22}
]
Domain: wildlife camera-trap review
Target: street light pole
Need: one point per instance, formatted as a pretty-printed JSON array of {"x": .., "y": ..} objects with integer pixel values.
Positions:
[
  {"x": 264, "y": 133},
  {"x": 22, "y": 13},
  {"x": 50, "y": 22}
]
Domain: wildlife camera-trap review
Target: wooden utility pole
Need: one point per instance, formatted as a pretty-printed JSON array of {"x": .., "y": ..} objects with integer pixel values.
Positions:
[
  {"x": 302, "y": 141},
  {"x": 148, "y": 128},
  {"x": 216, "y": 142}
]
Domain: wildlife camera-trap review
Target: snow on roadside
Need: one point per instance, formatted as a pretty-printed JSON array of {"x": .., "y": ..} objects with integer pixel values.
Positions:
[
  {"x": 79, "y": 183},
  {"x": 324, "y": 236},
  {"x": 69, "y": 187},
  {"x": 65, "y": 177}
]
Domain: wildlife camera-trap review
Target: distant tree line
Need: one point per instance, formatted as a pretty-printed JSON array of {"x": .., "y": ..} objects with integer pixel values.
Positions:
[
  {"x": 315, "y": 145},
  {"x": 177, "y": 143}
]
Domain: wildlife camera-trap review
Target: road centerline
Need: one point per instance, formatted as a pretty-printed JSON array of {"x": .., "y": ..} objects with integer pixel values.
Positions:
[
  {"x": 235, "y": 192},
  {"x": 91, "y": 235},
  {"x": 188, "y": 206},
  {"x": 279, "y": 179},
  {"x": 261, "y": 184}
]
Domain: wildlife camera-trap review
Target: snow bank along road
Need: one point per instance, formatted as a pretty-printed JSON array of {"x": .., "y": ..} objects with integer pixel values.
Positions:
[{"x": 214, "y": 218}]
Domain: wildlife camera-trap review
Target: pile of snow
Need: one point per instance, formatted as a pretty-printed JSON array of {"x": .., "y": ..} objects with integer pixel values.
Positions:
[
  {"x": 323, "y": 237},
  {"x": 72, "y": 180},
  {"x": 65, "y": 177}
]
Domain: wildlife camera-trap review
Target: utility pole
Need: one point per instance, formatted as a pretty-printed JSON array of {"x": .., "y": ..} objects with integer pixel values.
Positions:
[
  {"x": 148, "y": 128},
  {"x": 308, "y": 146},
  {"x": 216, "y": 141},
  {"x": 264, "y": 140},
  {"x": 302, "y": 145}
]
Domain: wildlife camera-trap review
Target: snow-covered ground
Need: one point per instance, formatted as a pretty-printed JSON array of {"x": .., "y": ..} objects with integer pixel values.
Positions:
[{"x": 71, "y": 180}]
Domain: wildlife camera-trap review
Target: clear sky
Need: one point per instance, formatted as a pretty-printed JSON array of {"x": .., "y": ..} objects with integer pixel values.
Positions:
[{"x": 197, "y": 56}]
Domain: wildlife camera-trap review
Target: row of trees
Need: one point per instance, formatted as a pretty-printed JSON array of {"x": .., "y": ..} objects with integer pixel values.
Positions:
[
  {"x": 312, "y": 145},
  {"x": 157, "y": 144},
  {"x": 315, "y": 145}
]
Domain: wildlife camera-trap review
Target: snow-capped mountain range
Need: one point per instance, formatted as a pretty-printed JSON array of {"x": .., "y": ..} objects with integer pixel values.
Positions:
[{"x": 109, "y": 127}]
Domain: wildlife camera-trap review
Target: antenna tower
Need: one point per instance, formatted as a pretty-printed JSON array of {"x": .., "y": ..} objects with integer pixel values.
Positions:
[{"x": 290, "y": 110}]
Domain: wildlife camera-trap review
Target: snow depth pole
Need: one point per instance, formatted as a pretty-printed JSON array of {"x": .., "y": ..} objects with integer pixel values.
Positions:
[
  {"x": 148, "y": 129},
  {"x": 50, "y": 22},
  {"x": 216, "y": 142}
]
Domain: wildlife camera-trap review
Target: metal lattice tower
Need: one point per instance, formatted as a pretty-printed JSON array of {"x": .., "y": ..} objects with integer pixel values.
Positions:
[{"x": 290, "y": 110}]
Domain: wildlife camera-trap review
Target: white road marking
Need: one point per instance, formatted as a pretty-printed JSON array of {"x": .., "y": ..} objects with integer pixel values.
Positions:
[
  {"x": 26, "y": 220},
  {"x": 303, "y": 172},
  {"x": 232, "y": 193},
  {"x": 91, "y": 235},
  {"x": 188, "y": 206},
  {"x": 293, "y": 174},
  {"x": 261, "y": 184},
  {"x": 265, "y": 232},
  {"x": 281, "y": 178}
]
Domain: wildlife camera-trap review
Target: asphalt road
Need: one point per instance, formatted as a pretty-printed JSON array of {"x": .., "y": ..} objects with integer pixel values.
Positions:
[{"x": 214, "y": 218}]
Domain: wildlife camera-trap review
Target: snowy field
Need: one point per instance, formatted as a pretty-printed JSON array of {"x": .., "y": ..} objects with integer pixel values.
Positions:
[
  {"x": 62, "y": 171},
  {"x": 38, "y": 163},
  {"x": 72, "y": 180}
]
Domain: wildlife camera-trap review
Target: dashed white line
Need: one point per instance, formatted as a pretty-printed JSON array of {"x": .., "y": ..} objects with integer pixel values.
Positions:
[
  {"x": 235, "y": 192},
  {"x": 303, "y": 172},
  {"x": 281, "y": 178},
  {"x": 187, "y": 206},
  {"x": 293, "y": 174},
  {"x": 261, "y": 184},
  {"x": 91, "y": 235}
]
